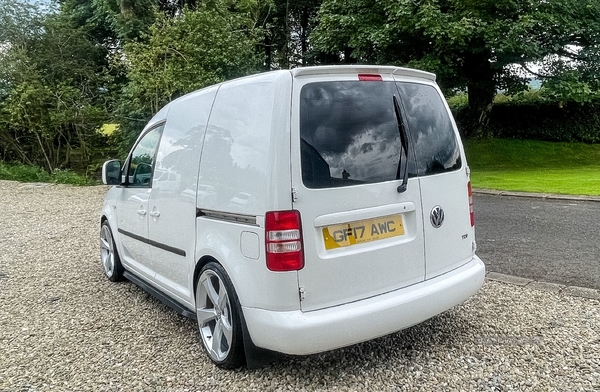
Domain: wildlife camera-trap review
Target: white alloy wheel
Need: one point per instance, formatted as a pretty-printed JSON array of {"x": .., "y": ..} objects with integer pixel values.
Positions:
[
  {"x": 108, "y": 254},
  {"x": 107, "y": 251}
]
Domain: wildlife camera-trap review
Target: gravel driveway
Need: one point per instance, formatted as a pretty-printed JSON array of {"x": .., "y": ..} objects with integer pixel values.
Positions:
[{"x": 63, "y": 326}]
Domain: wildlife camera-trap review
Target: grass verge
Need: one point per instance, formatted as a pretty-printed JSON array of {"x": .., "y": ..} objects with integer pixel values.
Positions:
[
  {"x": 535, "y": 166},
  {"x": 503, "y": 164},
  {"x": 26, "y": 173}
]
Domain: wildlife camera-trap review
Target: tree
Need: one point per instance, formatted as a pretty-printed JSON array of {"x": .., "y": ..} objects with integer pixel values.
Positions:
[
  {"x": 121, "y": 21},
  {"x": 52, "y": 91},
  {"x": 129, "y": 19},
  {"x": 288, "y": 27},
  {"x": 180, "y": 54},
  {"x": 468, "y": 43}
]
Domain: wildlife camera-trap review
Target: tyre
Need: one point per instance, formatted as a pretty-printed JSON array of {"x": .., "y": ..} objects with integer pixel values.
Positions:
[
  {"x": 218, "y": 315},
  {"x": 108, "y": 254}
]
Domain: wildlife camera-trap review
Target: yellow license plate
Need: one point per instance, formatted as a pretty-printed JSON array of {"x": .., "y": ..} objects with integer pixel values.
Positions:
[{"x": 358, "y": 232}]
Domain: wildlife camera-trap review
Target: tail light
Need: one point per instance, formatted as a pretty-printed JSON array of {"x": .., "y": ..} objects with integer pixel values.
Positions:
[
  {"x": 471, "y": 210},
  {"x": 283, "y": 240},
  {"x": 369, "y": 78}
]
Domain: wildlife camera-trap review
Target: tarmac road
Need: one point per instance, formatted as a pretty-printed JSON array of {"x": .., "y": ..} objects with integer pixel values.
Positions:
[{"x": 555, "y": 241}]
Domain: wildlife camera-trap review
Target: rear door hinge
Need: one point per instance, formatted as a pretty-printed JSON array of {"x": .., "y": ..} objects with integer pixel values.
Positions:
[
  {"x": 294, "y": 195},
  {"x": 302, "y": 293}
]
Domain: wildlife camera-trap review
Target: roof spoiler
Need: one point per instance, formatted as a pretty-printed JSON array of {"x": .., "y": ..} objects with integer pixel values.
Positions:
[{"x": 369, "y": 69}]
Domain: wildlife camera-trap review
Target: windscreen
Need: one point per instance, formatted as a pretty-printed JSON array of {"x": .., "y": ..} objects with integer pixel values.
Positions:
[{"x": 349, "y": 132}]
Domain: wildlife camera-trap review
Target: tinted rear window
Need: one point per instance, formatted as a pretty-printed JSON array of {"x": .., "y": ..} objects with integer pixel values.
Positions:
[
  {"x": 349, "y": 132},
  {"x": 431, "y": 130}
]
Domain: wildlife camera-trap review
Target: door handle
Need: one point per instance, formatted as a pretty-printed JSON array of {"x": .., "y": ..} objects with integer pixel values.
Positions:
[
  {"x": 155, "y": 214},
  {"x": 141, "y": 212}
]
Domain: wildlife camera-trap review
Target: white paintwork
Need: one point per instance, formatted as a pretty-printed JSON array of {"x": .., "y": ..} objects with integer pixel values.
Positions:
[
  {"x": 363, "y": 69},
  {"x": 304, "y": 333},
  {"x": 454, "y": 238},
  {"x": 250, "y": 245},
  {"x": 256, "y": 286},
  {"x": 365, "y": 213},
  {"x": 131, "y": 205},
  {"x": 449, "y": 245},
  {"x": 334, "y": 277},
  {"x": 242, "y": 156},
  {"x": 235, "y": 148},
  {"x": 243, "y": 165},
  {"x": 178, "y": 156}
]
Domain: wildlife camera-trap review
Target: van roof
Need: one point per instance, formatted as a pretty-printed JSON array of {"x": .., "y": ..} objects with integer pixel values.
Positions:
[
  {"x": 378, "y": 69},
  {"x": 304, "y": 71}
]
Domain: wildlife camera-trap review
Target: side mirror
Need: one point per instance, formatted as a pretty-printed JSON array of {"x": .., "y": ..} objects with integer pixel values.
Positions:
[{"x": 111, "y": 172}]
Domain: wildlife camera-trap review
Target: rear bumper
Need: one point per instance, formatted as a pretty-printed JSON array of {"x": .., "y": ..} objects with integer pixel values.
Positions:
[{"x": 303, "y": 333}]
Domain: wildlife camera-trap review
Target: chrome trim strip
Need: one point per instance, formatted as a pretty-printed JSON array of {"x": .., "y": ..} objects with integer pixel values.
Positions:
[{"x": 227, "y": 216}]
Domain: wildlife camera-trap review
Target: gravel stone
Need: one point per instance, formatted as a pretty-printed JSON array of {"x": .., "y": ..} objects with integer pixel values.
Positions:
[
  {"x": 64, "y": 327},
  {"x": 508, "y": 278},
  {"x": 582, "y": 292},
  {"x": 554, "y": 287}
]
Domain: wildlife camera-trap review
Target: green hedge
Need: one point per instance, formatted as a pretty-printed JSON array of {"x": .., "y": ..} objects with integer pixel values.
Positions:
[
  {"x": 29, "y": 173},
  {"x": 539, "y": 120}
]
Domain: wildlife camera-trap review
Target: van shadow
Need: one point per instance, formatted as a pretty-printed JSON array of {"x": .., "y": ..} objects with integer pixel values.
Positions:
[
  {"x": 408, "y": 346},
  {"x": 403, "y": 349}
]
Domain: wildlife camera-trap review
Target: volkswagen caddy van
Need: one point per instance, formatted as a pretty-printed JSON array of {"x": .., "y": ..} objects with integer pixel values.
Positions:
[{"x": 297, "y": 211}]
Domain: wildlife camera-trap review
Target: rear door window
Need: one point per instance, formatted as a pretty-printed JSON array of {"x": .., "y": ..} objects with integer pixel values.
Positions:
[
  {"x": 349, "y": 133},
  {"x": 431, "y": 130}
]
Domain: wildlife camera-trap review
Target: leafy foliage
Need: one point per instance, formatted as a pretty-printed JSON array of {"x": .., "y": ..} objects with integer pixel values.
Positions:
[
  {"x": 181, "y": 54},
  {"x": 31, "y": 173},
  {"x": 69, "y": 68},
  {"x": 127, "y": 18},
  {"x": 539, "y": 118},
  {"x": 53, "y": 94},
  {"x": 288, "y": 28},
  {"x": 468, "y": 43}
]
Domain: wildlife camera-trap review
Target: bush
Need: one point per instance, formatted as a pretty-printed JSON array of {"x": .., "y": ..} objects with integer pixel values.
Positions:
[
  {"x": 23, "y": 173},
  {"x": 530, "y": 117},
  {"x": 69, "y": 177},
  {"x": 26, "y": 173},
  {"x": 458, "y": 101}
]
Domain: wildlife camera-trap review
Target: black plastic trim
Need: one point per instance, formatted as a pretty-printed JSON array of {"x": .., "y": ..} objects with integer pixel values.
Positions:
[
  {"x": 159, "y": 295},
  {"x": 256, "y": 357},
  {"x": 177, "y": 251}
]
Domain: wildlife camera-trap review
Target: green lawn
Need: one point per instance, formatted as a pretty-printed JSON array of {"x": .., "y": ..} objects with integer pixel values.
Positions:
[{"x": 533, "y": 166}]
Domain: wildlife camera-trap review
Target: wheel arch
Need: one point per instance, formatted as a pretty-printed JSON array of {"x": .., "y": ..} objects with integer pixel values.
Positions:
[
  {"x": 255, "y": 357},
  {"x": 199, "y": 265}
]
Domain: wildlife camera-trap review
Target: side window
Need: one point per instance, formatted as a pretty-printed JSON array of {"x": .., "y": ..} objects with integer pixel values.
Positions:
[
  {"x": 143, "y": 158},
  {"x": 435, "y": 142}
]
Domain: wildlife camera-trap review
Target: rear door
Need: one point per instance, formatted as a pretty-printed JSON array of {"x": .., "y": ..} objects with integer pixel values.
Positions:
[
  {"x": 442, "y": 175},
  {"x": 361, "y": 236}
]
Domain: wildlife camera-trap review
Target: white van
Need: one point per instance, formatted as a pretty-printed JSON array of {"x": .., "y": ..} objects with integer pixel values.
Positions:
[{"x": 297, "y": 211}]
